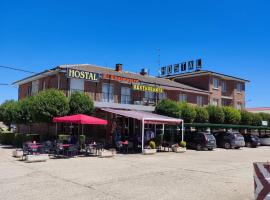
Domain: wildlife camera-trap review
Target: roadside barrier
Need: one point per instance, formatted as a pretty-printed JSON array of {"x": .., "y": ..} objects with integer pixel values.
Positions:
[{"x": 261, "y": 180}]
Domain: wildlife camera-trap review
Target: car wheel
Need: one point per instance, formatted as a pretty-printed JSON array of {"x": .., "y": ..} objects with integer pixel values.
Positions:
[
  {"x": 227, "y": 145},
  {"x": 237, "y": 147},
  {"x": 248, "y": 144},
  {"x": 199, "y": 147},
  {"x": 210, "y": 149}
]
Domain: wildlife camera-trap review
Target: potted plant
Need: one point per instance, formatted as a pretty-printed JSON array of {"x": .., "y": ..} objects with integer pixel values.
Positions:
[
  {"x": 150, "y": 149},
  {"x": 179, "y": 148}
]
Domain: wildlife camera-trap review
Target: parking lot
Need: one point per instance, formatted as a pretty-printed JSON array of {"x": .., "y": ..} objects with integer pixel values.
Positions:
[{"x": 219, "y": 174}]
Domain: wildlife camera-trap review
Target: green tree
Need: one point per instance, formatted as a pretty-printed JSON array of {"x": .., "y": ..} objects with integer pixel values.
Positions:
[
  {"x": 9, "y": 112},
  {"x": 246, "y": 117},
  {"x": 187, "y": 112},
  {"x": 216, "y": 114},
  {"x": 202, "y": 115},
  {"x": 256, "y": 119},
  {"x": 265, "y": 117},
  {"x": 231, "y": 115},
  {"x": 80, "y": 103},
  {"x": 48, "y": 104},
  {"x": 168, "y": 108}
]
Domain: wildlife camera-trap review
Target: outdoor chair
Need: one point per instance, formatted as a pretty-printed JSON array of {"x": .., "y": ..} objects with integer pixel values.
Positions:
[{"x": 72, "y": 150}]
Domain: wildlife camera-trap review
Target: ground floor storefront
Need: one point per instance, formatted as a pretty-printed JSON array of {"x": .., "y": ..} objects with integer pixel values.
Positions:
[{"x": 126, "y": 130}]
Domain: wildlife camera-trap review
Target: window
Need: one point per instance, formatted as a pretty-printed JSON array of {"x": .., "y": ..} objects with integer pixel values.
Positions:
[
  {"x": 183, "y": 97},
  {"x": 149, "y": 96},
  {"x": 239, "y": 87},
  {"x": 162, "y": 96},
  {"x": 28, "y": 91},
  {"x": 239, "y": 106},
  {"x": 200, "y": 100},
  {"x": 215, "y": 102},
  {"x": 125, "y": 95},
  {"x": 215, "y": 83},
  {"x": 107, "y": 92},
  {"x": 223, "y": 86},
  {"x": 35, "y": 86}
]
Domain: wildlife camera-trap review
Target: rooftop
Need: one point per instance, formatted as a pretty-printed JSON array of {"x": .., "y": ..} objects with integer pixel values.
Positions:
[
  {"x": 205, "y": 72},
  {"x": 106, "y": 70}
]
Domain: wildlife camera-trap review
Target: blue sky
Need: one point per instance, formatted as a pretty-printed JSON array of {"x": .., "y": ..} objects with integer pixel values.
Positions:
[{"x": 230, "y": 36}]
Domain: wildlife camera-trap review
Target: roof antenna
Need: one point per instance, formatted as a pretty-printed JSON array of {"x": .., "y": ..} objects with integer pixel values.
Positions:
[{"x": 158, "y": 61}]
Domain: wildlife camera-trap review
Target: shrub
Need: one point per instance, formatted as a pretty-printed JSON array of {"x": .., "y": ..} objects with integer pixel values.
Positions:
[
  {"x": 246, "y": 117},
  {"x": 80, "y": 103},
  {"x": 48, "y": 104},
  {"x": 216, "y": 114},
  {"x": 168, "y": 108},
  {"x": 187, "y": 112},
  {"x": 7, "y": 138},
  {"x": 231, "y": 115},
  {"x": 152, "y": 144},
  {"x": 202, "y": 115},
  {"x": 183, "y": 144}
]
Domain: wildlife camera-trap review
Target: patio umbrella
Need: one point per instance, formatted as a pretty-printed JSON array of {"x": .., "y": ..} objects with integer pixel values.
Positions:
[{"x": 80, "y": 119}]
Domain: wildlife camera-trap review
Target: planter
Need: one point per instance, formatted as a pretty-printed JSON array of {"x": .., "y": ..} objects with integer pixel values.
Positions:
[
  {"x": 36, "y": 158},
  {"x": 105, "y": 154},
  {"x": 149, "y": 151},
  {"x": 17, "y": 153},
  {"x": 179, "y": 149}
]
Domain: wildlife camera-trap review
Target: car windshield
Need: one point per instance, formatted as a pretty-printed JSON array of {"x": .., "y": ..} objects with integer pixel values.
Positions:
[
  {"x": 237, "y": 135},
  {"x": 210, "y": 137}
]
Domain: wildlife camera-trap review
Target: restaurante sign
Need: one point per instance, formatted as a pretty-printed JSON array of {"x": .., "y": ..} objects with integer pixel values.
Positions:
[
  {"x": 148, "y": 88},
  {"x": 91, "y": 76},
  {"x": 119, "y": 78}
]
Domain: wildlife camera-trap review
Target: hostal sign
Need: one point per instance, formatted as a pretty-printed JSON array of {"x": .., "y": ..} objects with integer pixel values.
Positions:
[{"x": 90, "y": 76}]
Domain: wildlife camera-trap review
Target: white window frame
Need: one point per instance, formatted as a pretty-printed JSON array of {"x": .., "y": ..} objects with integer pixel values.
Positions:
[
  {"x": 216, "y": 83},
  {"x": 182, "y": 97},
  {"x": 224, "y": 86},
  {"x": 149, "y": 96},
  {"x": 162, "y": 96},
  {"x": 239, "y": 87},
  {"x": 35, "y": 87},
  {"x": 108, "y": 92},
  {"x": 200, "y": 100},
  {"x": 125, "y": 95}
]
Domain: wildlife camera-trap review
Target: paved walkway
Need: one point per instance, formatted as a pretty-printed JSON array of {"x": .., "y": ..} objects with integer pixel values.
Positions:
[{"x": 220, "y": 174}]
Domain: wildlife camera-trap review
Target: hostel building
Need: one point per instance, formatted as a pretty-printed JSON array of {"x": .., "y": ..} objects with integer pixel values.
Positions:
[{"x": 114, "y": 89}]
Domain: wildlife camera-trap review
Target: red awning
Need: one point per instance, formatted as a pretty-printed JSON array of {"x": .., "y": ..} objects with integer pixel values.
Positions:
[
  {"x": 80, "y": 119},
  {"x": 147, "y": 117}
]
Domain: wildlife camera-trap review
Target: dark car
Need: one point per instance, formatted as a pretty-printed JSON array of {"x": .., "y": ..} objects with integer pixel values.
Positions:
[
  {"x": 229, "y": 140},
  {"x": 251, "y": 140},
  {"x": 200, "y": 141}
]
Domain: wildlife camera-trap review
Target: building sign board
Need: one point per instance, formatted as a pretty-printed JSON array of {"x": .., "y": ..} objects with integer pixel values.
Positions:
[
  {"x": 90, "y": 76},
  {"x": 147, "y": 88},
  {"x": 119, "y": 78}
]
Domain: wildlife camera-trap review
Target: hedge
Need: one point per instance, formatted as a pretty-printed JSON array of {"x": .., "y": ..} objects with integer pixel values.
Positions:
[{"x": 17, "y": 139}]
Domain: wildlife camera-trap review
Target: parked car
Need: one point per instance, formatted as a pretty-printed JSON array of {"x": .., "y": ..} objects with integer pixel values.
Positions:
[
  {"x": 200, "y": 141},
  {"x": 265, "y": 140},
  {"x": 251, "y": 140},
  {"x": 229, "y": 140}
]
